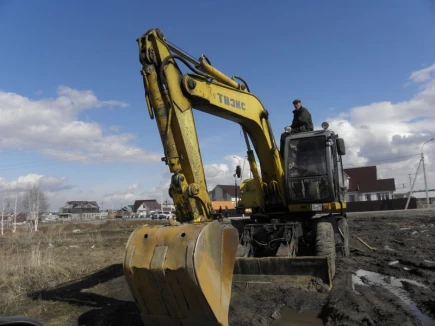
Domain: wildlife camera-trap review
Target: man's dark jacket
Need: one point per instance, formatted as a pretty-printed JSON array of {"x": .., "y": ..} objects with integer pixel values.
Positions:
[{"x": 302, "y": 120}]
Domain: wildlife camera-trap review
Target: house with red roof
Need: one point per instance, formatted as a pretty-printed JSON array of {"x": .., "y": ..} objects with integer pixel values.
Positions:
[
  {"x": 364, "y": 185},
  {"x": 144, "y": 207}
]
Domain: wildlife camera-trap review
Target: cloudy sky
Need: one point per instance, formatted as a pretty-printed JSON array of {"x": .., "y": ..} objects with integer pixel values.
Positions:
[{"x": 74, "y": 119}]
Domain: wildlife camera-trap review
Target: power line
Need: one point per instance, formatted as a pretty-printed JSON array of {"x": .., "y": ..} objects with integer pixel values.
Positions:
[{"x": 383, "y": 160}]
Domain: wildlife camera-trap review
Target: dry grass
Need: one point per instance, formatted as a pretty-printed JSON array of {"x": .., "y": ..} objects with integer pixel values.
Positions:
[{"x": 56, "y": 254}]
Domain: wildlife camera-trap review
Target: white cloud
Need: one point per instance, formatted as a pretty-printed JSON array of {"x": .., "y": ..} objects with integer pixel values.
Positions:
[
  {"x": 133, "y": 187},
  {"x": 114, "y": 128},
  {"x": 22, "y": 183},
  {"x": 386, "y": 133},
  {"x": 423, "y": 74},
  {"x": 125, "y": 196},
  {"x": 223, "y": 173},
  {"x": 52, "y": 126}
]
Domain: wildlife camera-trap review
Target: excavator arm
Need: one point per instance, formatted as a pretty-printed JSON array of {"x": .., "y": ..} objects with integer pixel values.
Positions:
[{"x": 171, "y": 96}]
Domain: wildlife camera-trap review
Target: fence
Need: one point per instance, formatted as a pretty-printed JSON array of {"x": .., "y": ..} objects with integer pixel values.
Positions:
[
  {"x": 381, "y": 205},
  {"x": 365, "y": 206}
]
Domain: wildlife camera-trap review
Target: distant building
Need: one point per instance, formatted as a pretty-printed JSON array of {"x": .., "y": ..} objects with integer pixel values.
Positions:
[
  {"x": 420, "y": 195},
  {"x": 225, "y": 193},
  {"x": 144, "y": 207},
  {"x": 80, "y": 210},
  {"x": 364, "y": 185}
]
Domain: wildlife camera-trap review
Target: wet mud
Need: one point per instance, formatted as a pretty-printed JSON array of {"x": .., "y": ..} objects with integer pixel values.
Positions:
[{"x": 393, "y": 285}]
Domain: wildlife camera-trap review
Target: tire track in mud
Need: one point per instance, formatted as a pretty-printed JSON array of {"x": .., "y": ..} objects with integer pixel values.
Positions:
[{"x": 404, "y": 244}]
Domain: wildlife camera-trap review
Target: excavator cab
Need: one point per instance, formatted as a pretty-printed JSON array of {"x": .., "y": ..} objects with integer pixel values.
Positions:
[{"x": 314, "y": 171}]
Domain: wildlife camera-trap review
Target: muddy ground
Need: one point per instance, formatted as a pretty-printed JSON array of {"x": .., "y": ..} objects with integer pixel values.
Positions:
[
  {"x": 405, "y": 249},
  {"x": 393, "y": 285}
]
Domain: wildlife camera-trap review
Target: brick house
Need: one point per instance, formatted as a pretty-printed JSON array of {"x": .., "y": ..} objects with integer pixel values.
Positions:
[{"x": 364, "y": 185}]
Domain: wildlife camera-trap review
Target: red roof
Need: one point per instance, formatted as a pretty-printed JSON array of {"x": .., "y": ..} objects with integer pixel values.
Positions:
[
  {"x": 364, "y": 179},
  {"x": 21, "y": 217},
  {"x": 152, "y": 204}
]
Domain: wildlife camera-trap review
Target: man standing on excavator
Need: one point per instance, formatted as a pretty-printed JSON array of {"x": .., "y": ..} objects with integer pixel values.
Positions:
[
  {"x": 301, "y": 118},
  {"x": 301, "y": 122}
]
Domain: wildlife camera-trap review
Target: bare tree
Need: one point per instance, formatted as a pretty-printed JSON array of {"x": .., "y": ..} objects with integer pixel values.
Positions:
[
  {"x": 14, "y": 218},
  {"x": 2, "y": 211},
  {"x": 34, "y": 203}
]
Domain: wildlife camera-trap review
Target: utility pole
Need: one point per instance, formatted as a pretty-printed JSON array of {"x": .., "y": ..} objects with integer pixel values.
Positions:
[
  {"x": 161, "y": 197},
  {"x": 410, "y": 181},
  {"x": 412, "y": 186},
  {"x": 424, "y": 175},
  {"x": 424, "y": 172}
]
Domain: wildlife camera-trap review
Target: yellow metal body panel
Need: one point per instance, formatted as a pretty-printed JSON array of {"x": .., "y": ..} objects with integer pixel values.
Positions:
[
  {"x": 182, "y": 275},
  {"x": 325, "y": 207},
  {"x": 248, "y": 194}
]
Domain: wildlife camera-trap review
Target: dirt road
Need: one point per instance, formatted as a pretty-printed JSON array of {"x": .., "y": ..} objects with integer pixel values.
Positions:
[{"x": 394, "y": 285}]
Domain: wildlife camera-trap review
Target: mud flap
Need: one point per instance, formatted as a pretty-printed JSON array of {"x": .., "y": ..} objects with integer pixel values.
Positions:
[
  {"x": 296, "y": 270},
  {"x": 182, "y": 275}
]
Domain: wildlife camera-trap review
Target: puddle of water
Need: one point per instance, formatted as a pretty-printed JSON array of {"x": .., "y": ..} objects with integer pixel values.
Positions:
[
  {"x": 290, "y": 317},
  {"x": 395, "y": 286}
]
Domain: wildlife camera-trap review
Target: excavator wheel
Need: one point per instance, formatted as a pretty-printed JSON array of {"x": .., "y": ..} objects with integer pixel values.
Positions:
[
  {"x": 325, "y": 243},
  {"x": 343, "y": 228}
]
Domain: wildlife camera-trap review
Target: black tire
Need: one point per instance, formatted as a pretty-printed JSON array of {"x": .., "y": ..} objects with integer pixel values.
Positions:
[
  {"x": 344, "y": 228},
  {"x": 325, "y": 243}
]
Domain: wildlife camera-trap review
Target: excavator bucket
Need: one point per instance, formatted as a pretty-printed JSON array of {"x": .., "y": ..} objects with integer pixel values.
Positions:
[
  {"x": 182, "y": 274},
  {"x": 298, "y": 271}
]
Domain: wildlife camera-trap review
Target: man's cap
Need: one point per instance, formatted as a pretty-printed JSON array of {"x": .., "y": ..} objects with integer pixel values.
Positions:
[{"x": 296, "y": 101}]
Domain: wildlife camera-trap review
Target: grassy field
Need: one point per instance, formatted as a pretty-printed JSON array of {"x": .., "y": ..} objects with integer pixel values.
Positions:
[{"x": 52, "y": 256}]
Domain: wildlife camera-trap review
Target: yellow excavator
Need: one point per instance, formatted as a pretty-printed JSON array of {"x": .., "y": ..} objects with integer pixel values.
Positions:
[{"x": 182, "y": 273}]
